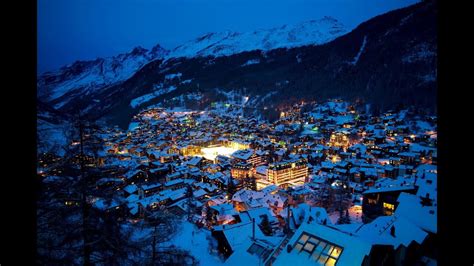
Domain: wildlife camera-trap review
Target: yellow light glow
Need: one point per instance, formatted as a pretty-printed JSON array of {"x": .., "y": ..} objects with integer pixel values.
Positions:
[
  {"x": 388, "y": 206},
  {"x": 211, "y": 153}
]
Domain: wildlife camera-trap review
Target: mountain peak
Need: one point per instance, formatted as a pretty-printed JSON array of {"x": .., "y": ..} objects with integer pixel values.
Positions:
[
  {"x": 313, "y": 32},
  {"x": 138, "y": 50}
]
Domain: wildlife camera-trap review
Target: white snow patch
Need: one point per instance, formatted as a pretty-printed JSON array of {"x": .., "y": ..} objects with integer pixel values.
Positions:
[
  {"x": 420, "y": 53},
  {"x": 356, "y": 58},
  {"x": 251, "y": 62},
  {"x": 147, "y": 97},
  {"x": 172, "y": 76}
]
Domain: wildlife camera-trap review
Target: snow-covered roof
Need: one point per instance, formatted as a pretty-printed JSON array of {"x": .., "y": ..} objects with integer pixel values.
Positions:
[
  {"x": 225, "y": 209},
  {"x": 245, "y": 195},
  {"x": 378, "y": 231},
  {"x": 194, "y": 161},
  {"x": 262, "y": 169},
  {"x": 199, "y": 193},
  {"x": 243, "y": 154},
  {"x": 388, "y": 185},
  {"x": 151, "y": 186},
  {"x": 258, "y": 214},
  {"x": 354, "y": 249},
  {"x": 410, "y": 207},
  {"x": 305, "y": 211},
  {"x": 174, "y": 182},
  {"x": 131, "y": 188}
]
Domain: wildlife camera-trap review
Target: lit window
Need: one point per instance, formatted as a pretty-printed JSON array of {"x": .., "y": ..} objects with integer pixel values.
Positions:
[
  {"x": 331, "y": 261},
  {"x": 309, "y": 247},
  {"x": 321, "y": 252},
  {"x": 336, "y": 252},
  {"x": 298, "y": 247},
  {"x": 389, "y": 206}
]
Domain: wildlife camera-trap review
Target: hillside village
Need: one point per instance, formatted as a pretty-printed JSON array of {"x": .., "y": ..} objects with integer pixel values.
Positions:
[{"x": 325, "y": 184}]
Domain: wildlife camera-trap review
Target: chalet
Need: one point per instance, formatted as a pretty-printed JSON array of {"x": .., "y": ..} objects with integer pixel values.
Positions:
[
  {"x": 248, "y": 156},
  {"x": 404, "y": 239},
  {"x": 244, "y": 242},
  {"x": 167, "y": 158},
  {"x": 222, "y": 160},
  {"x": 241, "y": 170},
  {"x": 223, "y": 214},
  {"x": 109, "y": 182},
  {"x": 395, "y": 161},
  {"x": 159, "y": 171},
  {"x": 136, "y": 176},
  {"x": 404, "y": 169},
  {"x": 149, "y": 189},
  {"x": 216, "y": 179},
  {"x": 200, "y": 194},
  {"x": 304, "y": 213},
  {"x": 195, "y": 162},
  {"x": 381, "y": 199},
  {"x": 409, "y": 158},
  {"x": 173, "y": 176},
  {"x": 111, "y": 206},
  {"x": 175, "y": 184},
  {"x": 259, "y": 214}
]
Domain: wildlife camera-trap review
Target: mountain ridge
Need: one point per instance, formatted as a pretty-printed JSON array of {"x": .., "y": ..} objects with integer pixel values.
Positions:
[{"x": 387, "y": 61}]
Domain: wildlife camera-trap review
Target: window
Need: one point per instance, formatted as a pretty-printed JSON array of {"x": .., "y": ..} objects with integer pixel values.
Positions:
[
  {"x": 388, "y": 206},
  {"x": 371, "y": 201},
  {"x": 320, "y": 251},
  {"x": 258, "y": 250}
]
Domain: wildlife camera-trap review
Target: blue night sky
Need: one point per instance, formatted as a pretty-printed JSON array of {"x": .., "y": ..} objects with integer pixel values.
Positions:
[{"x": 70, "y": 30}]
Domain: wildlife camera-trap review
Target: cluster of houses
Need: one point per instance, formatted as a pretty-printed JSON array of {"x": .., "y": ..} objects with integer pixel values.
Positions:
[{"x": 259, "y": 192}]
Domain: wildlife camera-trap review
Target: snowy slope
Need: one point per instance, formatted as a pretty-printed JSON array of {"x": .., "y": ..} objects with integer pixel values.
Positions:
[
  {"x": 313, "y": 32},
  {"x": 88, "y": 76}
]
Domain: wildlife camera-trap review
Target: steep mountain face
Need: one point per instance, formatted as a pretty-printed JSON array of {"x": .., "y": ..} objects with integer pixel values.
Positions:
[
  {"x": 388, "y": 60},
  {"x": 52, "y": 129},
  {"x": 312, "y": 32},
  {"x": 84, "y": 77}
]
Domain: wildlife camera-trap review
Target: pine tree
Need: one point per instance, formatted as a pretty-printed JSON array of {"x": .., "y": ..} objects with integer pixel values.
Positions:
[
  {"x": 265, "y": 226},
  {"x": 231, "y": 188}
]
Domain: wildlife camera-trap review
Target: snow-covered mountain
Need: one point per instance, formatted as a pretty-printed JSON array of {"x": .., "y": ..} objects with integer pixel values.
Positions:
[
  {"x": 313, "y": 32},
  {"x": 86, "y": 77},
  {"x": 386, "y": 61},
  {"x": 82, "y": 77}
]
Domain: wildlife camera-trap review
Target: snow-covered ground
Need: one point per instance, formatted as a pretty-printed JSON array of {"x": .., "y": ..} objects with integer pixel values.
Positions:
[
  {"x": 52, "y": 136},
  {"x": 355, "y": 213},
  {"x": 195, "y": 240},
  {"x": 251, "y": 62},
  {"x": 147, "y": 97},
  {"x": 101, "y": 72}
]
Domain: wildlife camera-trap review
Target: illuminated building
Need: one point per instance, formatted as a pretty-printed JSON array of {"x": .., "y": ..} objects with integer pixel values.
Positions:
[
  {"x": 288, "y": 172},
  {"x": 190, "y": 150},
  {"x": 339, "y": 139},
  {"x": 241, "y": 170},
  {"x": 382, "y": 200},
  {"x": 238, "y": 145},
  {"x": 262, "y": 183},
  {"x": 248, "y": 156}
]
